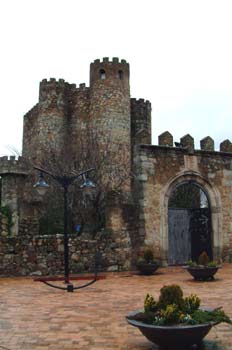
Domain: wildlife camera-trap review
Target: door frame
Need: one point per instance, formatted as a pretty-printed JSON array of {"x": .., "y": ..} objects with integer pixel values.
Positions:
[{"x": 214, "y": 201}]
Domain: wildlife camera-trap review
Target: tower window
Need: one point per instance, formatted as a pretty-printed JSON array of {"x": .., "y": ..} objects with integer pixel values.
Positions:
[
  {"x": 102, "y": 74},
  {"x": 120, "y": 74}
]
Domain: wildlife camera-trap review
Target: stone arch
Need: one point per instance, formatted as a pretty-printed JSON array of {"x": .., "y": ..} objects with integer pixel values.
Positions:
[{"x": 214, "y": 202}]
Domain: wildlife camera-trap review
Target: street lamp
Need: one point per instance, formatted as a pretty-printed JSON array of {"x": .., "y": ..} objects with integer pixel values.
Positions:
[{"x": 65, "y": 181}]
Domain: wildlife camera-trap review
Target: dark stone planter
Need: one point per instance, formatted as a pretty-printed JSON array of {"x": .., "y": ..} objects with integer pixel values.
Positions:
[
  {"x": 202, "y": 273},
  {"x": 172, "y": 337},
  {"x": 147, "y": 268}
]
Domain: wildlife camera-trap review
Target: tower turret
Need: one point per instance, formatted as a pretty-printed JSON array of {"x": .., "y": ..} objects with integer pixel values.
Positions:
[
  {"x": 45, "y": 126},
  {"x": 110, "y": 106}
]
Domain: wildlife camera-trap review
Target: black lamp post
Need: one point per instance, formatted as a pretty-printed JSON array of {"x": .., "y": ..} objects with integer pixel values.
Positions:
[{"x": 65, "y": 181}]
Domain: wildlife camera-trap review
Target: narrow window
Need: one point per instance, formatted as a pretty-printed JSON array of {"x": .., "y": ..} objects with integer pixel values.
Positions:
[
  {"x": 120, "y": 74},
  {"x": 102, "y": 74}
]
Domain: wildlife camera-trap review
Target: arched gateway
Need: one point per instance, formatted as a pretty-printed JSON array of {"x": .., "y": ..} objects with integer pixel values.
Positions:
[{"x": 191, "y": 219}]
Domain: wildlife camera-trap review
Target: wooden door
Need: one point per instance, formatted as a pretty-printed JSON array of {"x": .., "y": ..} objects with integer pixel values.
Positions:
[{"x": 179, "y": 238}]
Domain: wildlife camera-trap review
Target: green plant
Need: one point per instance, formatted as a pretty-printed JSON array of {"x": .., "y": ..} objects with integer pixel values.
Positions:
[
  {"x": 191, "y": 263},
  {"x": 147, "y": 256},
  {"x": 171, "y": 308},
  {"x": 217, "y": 315},
  {"x": 170, "y": 315},
  {"x": 150, "y": 305},
  {"x": 192, "y": 303},
  {"x": 171, "y": 294},
  {"x": 203, "y": 259}
]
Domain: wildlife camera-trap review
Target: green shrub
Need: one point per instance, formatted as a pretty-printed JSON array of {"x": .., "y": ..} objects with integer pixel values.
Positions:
[
  {"x": 191, "y": 263},
  {"x": 218, "y": 315},
  {"x": 150, "y": 305},
  {"x": 172, "y": 308},
  {"x": 170, "y": 315},
  {"x": 191, "y": 303},
  {"x": 171, "y": 294},
  {"x": 148, "y": 255},
  {"x": 203, "y": 259}
]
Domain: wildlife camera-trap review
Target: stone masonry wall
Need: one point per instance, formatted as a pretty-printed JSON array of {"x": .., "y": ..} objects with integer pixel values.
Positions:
[
  {"x": 123, "y": 128},
  {"x": 31, "y": 254},
  {"x": 160, "y": 168},
  {"x": 140, "y": 122}
]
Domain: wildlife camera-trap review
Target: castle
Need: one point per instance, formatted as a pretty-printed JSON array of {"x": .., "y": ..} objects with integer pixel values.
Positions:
[{"x": 144, "y": 215}]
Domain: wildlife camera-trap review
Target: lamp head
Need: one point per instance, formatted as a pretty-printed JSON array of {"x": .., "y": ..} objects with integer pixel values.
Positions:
[
  {"x": 87, "y": 183},
  {"x": 41, "y": 185}
]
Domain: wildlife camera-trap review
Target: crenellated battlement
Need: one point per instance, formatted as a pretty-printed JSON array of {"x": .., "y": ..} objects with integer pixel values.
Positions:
[
  {"x": 187, "y": 142},
  {"x": 140, "y": 104},
  {"x": 140, "y": 113},
  {"x": 13, "y": 165},
  {"x": 140, "y": 121},
  {"x": 58, "y": 82},
  {"x": 82, "y": 86},
  {"x": 54, "y": 87},
  {"x": 107, "y": 60},
  {"x": 106, "y": 71}
]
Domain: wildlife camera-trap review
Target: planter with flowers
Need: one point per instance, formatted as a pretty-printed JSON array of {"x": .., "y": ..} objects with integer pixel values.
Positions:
[
  {"x": 146, "y": 263},
  {"x": 175, "y": 322},
  {"x": 203, "y": 269}
]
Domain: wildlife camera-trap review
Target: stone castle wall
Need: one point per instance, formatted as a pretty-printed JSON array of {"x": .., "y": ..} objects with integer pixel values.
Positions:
[
  {"x": 31, "y": 254},
  {"x": 161, "y": 168},
  {"x": 64, "y": 111},
  {"x": 140, "y": 122},
  {"x": 120, "y": 125}
]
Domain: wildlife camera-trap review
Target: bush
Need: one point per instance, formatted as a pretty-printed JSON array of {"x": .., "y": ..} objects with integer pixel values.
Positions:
[
  {"x": 192, "y": 303},
  {"x": 170, "y": 315},
  {"x": 146, "y": 257},
  {"x": 150, "y": 305},
  {"x": 171, "y": 308},
  {"x": 171, "y": 294},
  {"x": 203, "y": 259}
]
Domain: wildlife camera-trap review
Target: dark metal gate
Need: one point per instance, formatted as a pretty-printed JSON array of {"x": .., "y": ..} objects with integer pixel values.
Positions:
[{"x": 189, "y": 233}]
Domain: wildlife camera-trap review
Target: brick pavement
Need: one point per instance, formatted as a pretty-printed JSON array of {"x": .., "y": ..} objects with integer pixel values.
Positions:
[{"x": 34, "y": 316}]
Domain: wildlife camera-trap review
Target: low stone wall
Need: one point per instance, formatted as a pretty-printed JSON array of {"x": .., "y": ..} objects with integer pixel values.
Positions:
[{"x": 29, "y": 254}]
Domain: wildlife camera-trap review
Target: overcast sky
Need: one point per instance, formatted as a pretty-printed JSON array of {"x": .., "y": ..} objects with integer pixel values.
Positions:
[{"x": 180, "y": 56}]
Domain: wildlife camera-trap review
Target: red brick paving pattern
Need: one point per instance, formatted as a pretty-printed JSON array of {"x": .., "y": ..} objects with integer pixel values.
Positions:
[{"x": 34, "y": 316}]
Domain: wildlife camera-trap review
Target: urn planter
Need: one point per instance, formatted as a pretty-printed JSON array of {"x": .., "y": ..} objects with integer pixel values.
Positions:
[
  {"x": 171, "y": 337},
  {"x": 202, "y": 273},
  {"x": 146, "y": 263},
  {"x": 147, "y": 268}
]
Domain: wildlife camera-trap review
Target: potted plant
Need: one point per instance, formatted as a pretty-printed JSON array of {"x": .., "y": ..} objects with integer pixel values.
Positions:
[
  {"x": 203, "y": 269},
  {"x": 146, "y": 263},
  {"x": 175, "y": 322}
]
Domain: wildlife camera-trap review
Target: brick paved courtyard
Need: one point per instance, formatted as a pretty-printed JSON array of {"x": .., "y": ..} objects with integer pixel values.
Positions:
[{"x": 34, "y": 316}]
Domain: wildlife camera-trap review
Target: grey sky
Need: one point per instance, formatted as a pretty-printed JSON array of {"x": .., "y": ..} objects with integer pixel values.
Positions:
[{"x": 179, "y": 53}]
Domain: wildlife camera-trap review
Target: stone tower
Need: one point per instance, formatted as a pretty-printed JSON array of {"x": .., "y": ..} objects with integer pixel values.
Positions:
[
  {"x": 110, "y": 106},
  {"x": 46, "y": 124},
  {"x": 64, "y": 111}
]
